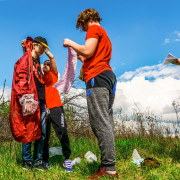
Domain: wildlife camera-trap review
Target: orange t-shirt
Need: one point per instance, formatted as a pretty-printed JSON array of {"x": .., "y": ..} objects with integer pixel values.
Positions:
[
  {"x": 51, "y": 94},
  {"x": 99, "y": 61}
]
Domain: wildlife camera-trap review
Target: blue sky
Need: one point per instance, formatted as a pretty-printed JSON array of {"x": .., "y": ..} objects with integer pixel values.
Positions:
[
  {"x": 142, "y": 33},
  {"x": 137, "y": 30}
]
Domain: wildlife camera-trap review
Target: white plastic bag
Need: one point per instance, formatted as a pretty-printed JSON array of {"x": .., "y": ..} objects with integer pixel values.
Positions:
[
  {"x": 90, "y": 157},
  {"x": 29, "y": 105},
  {"x": 76, "y": 161},
  {"x": 136, "y": 158},
  {"x": 53, "y": 151}
]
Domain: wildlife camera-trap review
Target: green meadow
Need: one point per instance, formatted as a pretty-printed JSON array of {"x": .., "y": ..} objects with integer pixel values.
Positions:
[
  {"x": 153, "y": 144},
  {"x": 165, "y": 150}
]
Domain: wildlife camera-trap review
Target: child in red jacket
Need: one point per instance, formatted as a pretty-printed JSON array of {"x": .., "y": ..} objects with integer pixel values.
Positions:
[
  {"x": 56, "y": 115},
  {"x": 27, "y": 123}
]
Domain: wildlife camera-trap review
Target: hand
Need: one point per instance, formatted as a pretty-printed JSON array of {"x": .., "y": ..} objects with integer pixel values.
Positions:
[
  {"x": 178, "y": 61},
  {"x": 66, "y": 42},
  {"x": 81, "y": 58},
  {"x": 23, "y": 44},
  {"x": 28, "y": 109},
  {"x": 46, "y": 50}
]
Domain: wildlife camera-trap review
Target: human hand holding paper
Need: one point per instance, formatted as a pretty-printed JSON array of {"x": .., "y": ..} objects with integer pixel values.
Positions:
[
  {"x": 170, "y": 59},
  {"x": 178, "y": 61},
  {"x": 29, "y": 105},
  {"x": 28, "y": 109}
]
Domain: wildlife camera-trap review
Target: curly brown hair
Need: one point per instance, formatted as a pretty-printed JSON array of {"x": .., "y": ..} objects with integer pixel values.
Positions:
[{"x": 84, "y": 17}]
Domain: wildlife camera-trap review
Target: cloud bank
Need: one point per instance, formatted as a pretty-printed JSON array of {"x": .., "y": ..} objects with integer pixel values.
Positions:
[
  {"x": 175, "y": 37},
  {"x": 152, "y": 72},
  {"x": 7, "y": 93},
  {"x": 154, "y": 87}
]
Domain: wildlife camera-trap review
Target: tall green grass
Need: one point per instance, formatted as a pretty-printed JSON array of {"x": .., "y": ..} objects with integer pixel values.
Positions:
[{"x": 165, "y": 150}]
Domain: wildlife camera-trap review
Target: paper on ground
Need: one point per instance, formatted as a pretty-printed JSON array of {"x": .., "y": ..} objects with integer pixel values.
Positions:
[
  {"x": 135, "y": 155},
  {"x": 53, "y": 151},
  {"x": 65, "y": 82},
  {"x": 90, "y": 157},
  {"x": 76, "y": 161},
  {"x": 170, "y": 59},
  {"x": 136, "y": 158}
]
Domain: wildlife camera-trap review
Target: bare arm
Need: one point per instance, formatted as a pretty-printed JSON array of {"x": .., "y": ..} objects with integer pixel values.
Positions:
[
  {"x": 86, "y": 50},
  {"x": 81, "y": 58},
  {"x": 178, "y": 61},
  {"x": 52, "y": 60},
  {"x": 23, "y": 46}
]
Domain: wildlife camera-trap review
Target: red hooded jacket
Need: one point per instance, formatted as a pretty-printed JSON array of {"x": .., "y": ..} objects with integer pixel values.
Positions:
[{"x": 24, "y": 128}]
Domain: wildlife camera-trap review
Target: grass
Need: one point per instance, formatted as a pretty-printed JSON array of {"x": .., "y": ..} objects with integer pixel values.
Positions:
[{"x": 165, "y": 150}]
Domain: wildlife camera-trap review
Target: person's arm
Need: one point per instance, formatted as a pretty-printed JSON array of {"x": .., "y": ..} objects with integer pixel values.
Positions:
[
  {"x": 21, "y": 82},
  {"x": 81, "y": 58},
  {"x": 23, "y": 46},
  {"x": 52, "y": 60},
  {"x": 178, "y": 61},
  {"x": 86, "y": 50}
]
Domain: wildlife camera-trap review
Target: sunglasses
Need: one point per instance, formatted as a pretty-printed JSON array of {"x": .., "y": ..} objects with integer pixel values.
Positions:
[{"x": 42, "y": 47}]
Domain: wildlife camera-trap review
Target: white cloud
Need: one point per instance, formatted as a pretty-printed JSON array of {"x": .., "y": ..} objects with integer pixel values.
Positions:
[
  {"x": 154, "y": 87},
  {"x": 178, "y": 33},
  {"x": 7, "y": 93},
  {"x": 174, "y": 38},
  {"x": 152, "y": 72},
  {"x": 123, "y": 64},
  {"x": 157, "y": 95},
  {"x": 166, "y": 41}
]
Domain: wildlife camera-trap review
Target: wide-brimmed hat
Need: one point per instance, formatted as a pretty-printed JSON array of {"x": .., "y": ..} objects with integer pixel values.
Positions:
[{"x": 41, "y": 40}]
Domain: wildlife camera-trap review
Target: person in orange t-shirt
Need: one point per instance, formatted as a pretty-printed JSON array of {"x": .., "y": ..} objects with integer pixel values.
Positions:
[
  {"x": 100, "y": 86},
  {"x": 56, "y": 115}
]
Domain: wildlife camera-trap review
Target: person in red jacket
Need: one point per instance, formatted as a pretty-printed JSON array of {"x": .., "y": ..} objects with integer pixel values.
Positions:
[
  {"x": 100, "y": 86},
  {"x": 27, "y": 122},
  {"x": 56, "y": 112}
]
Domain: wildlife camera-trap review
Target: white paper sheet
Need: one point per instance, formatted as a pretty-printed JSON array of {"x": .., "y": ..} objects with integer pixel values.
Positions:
[{"x": 170, "y": 59}]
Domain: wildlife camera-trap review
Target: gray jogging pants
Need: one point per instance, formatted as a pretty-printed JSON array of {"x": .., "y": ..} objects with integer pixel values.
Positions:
[{"x": 100, "y": 102}]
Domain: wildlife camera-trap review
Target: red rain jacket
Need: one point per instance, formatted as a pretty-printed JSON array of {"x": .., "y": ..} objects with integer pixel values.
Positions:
[{"x": 24, "y": 128}]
